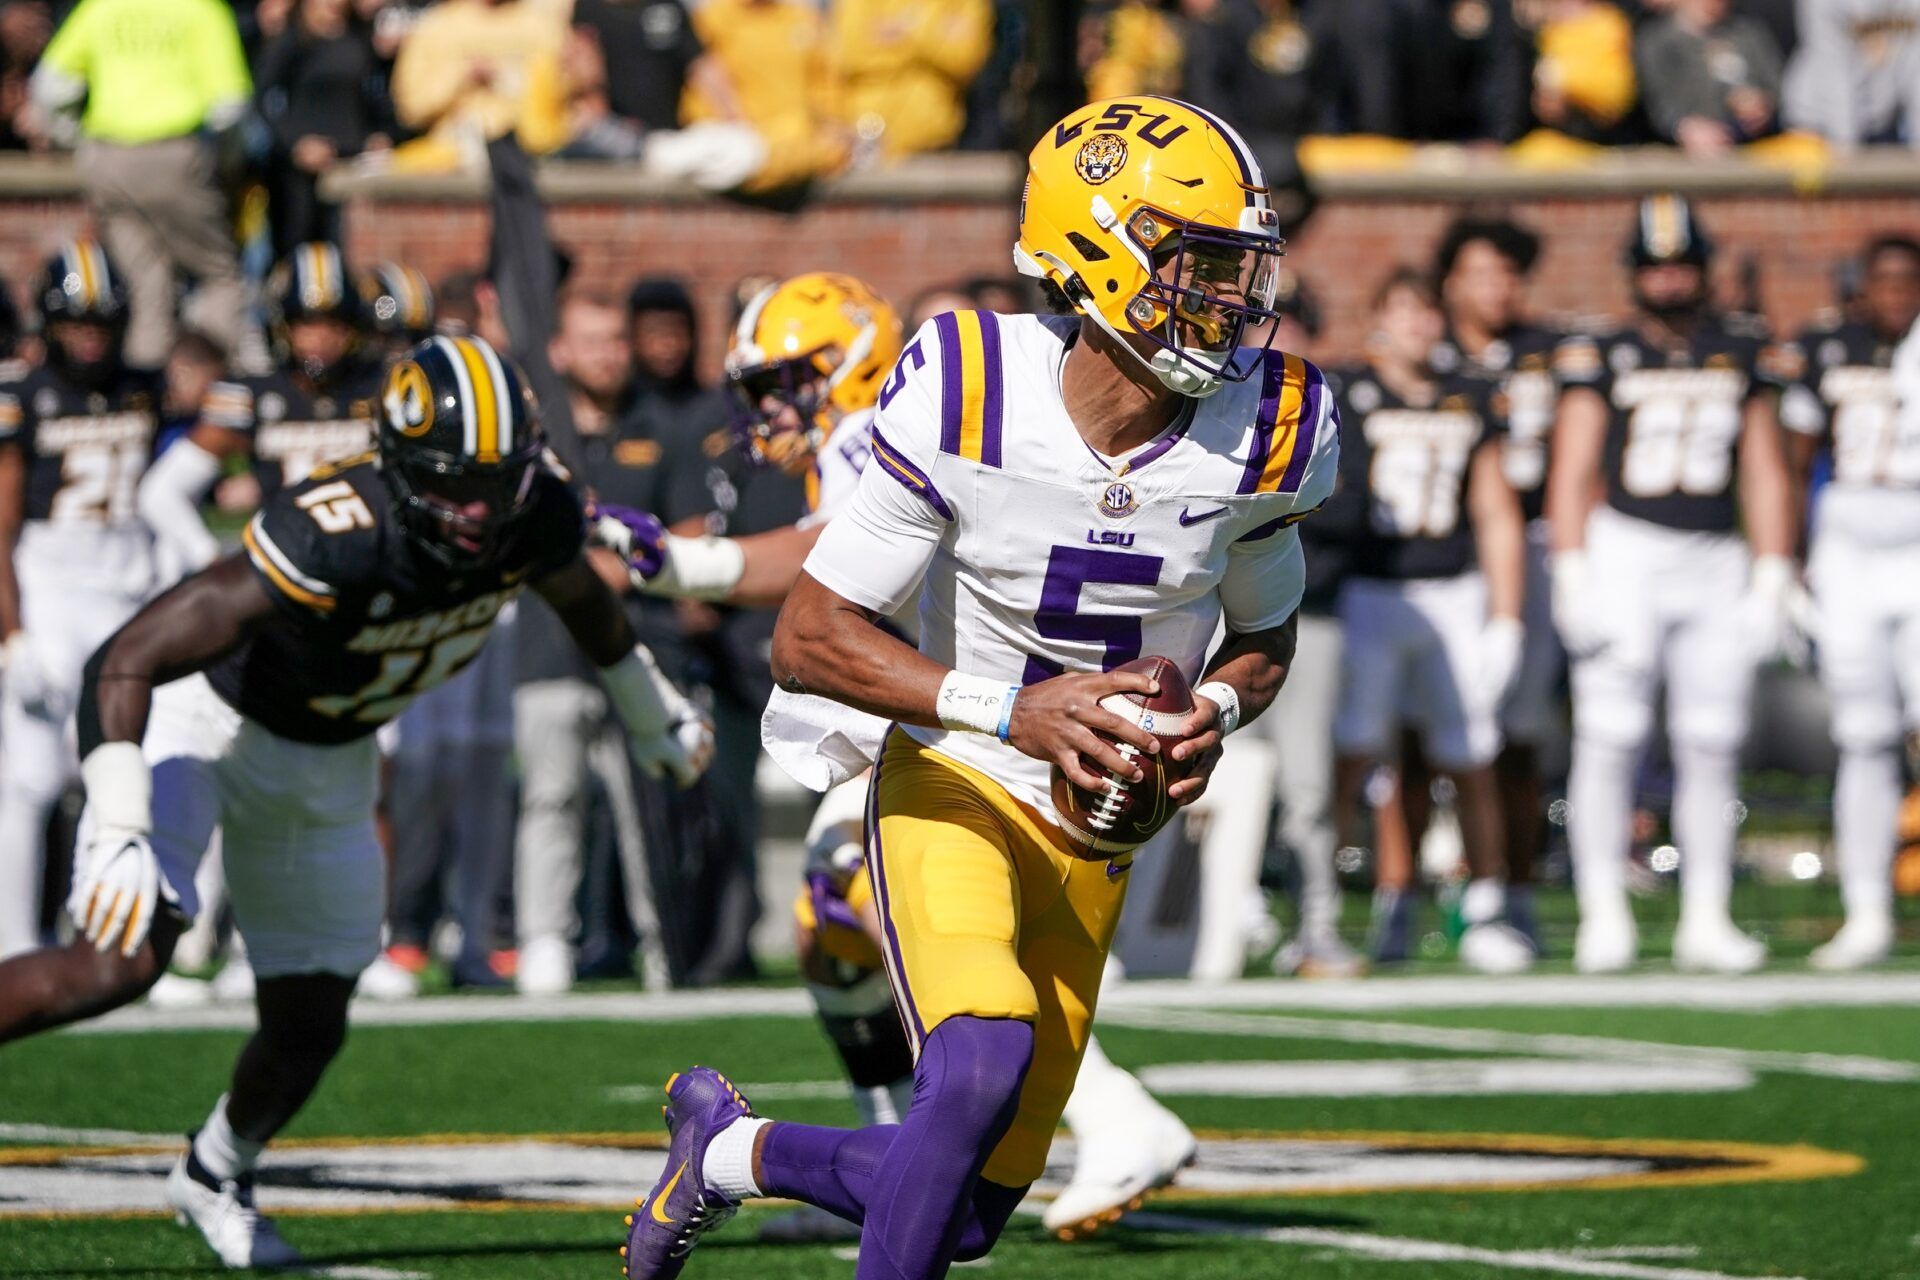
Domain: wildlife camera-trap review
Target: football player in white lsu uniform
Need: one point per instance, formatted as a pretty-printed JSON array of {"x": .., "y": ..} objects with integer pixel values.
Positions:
[
  {"x": 1063, "y": 495},
  {"x": 75, "y": 558},
  {"x": 1667, "y": 441},
  {"x": 1856, "y": 395},
  {"x": 808, "y": 358}
]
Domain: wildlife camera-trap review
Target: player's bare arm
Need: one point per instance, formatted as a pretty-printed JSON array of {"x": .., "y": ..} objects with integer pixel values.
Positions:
[
  {"x": 186, "y": 630},
  {"x": 1253, "y": 666},
  {"x": 1766, "y": 482},
  {"x": 13, "y": 507},
  {"x": 1499, "y": 531},
  {"x": 826, "y": 645},
  {"x": 593, "y": 617},
  {"x": 1573, "y": 479}
]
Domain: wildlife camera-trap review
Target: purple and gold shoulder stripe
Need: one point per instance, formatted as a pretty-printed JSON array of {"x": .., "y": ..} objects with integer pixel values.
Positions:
[
  {"x": 1292, "y": 395},
  {"x": 895, "y": 464},
  {"x": 972, "y": 385}
]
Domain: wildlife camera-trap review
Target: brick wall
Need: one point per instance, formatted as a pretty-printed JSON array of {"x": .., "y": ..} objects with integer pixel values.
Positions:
[{"x": 902, "y": 248}]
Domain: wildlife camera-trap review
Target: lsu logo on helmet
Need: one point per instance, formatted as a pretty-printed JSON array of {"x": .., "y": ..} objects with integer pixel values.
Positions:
[
  {"x": 1101, "y": 156},
  {"x": 1152, "y": 217}
]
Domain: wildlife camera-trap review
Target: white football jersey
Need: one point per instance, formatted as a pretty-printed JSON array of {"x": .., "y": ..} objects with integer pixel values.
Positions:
[
  {"x": 1033, "y": 555},
  {"x": 837, "y": 467}
]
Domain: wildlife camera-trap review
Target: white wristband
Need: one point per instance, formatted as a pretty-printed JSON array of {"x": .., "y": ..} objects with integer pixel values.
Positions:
[
  {"x": 119, "y": 787},
  {"x": 1222, "y": 695},
  {"x": 976, "y": 704},
  {"x": 705, "y": 568}
]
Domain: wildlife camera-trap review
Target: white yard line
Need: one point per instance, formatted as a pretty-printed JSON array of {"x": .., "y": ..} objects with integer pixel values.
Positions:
[
  {"x": 1478, "y": 1040},
  {"x": 83, "y": 1137},
  {"x": 1630, "y": 991},
  {"x": 359, "y": 1273},
  {"x": 1406, "y": 1249}
]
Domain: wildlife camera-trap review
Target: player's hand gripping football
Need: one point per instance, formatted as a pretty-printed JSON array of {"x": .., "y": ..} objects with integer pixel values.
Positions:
[
  {"x": 1198, "y": 752},
  {"x": 114, "y": 905},
  {"x": 1054, "y": 720}
]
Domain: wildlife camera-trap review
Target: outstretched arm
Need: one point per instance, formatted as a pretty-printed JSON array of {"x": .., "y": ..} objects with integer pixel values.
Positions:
[{"x": 185, "y": 630}]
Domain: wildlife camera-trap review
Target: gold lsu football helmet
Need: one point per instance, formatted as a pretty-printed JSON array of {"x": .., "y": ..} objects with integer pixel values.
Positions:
[
  {"x": 806, "y": 353},
  {"x": 1152, "y": 217}
]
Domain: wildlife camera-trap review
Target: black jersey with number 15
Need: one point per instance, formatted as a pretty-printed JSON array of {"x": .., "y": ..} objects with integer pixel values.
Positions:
[
  {"x": 1674, "y": 416},
  {"x": 366, "y": 620}
]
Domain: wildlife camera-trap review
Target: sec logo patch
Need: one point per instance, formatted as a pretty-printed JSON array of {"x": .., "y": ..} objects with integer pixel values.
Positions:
[{"x": 1117, "y": 500}]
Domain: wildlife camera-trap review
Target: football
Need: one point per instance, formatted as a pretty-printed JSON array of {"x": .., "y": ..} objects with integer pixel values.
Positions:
[{"x": 1125, "y": 815}]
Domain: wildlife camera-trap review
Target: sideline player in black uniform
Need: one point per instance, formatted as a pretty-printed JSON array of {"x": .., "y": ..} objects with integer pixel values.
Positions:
[
  {"x": 1430, "y": 608},
  {"x": 1482, "y": 266},
  {"x": 318, "y": 406},
  {"x": 1673, "y": 417},
  {"x": 75, "y": 560},
  {"x": 1848, "y": 401},
  {"x": 247, "y": 697}
]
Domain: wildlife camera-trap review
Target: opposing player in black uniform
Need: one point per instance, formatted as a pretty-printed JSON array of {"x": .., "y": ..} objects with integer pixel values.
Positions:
[
  {"x": 247, "y": 697},
  {"x": 1482, "y": 266},
  {"x": 1674, "y": 417},
  {"x": 1848, "y": 402},
  {"x": 75, "y": 560},
  {"x": 319, "y": 405},
  {"x": 1431, "y": 606}
]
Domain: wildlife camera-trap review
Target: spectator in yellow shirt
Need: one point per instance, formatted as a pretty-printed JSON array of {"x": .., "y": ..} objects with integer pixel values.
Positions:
[
  {"x": 475, "y": 70},
  {"x": 1130, "y": 47},
  {"x": 1583, "y": 80},
  {"x": 903, "y": 68},
  {"x": 774, "y": 55}
]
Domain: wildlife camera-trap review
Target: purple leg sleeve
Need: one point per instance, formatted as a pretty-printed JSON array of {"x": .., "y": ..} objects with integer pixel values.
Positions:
[
  {"x": 966, "y": 1090},
  {"x": 916, "y": 1186}
]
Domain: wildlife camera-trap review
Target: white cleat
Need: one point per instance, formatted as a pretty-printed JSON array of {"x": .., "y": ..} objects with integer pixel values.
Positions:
[
  {"x": 545, "y": 968},
  {"x": 1858, "y": 945},
  {"x": 1135, "y": 1152},
  {"x": 1716, "y": 947},
  {"x": 241, "y": 1235},
  {"x": 234, "y": 983},
  {"x": 173, "y": 991},
  {"x": 1605, "y": 944},
  {"x": 808, "y": 1225},
  {"x": 385, "y": 980},
  {"x": 1319, "y": 956},
  {"x": 1495, "y": 948}
]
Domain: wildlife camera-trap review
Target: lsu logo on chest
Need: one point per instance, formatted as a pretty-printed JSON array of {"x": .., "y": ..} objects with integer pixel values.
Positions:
[{"x": 431, "y": 628}]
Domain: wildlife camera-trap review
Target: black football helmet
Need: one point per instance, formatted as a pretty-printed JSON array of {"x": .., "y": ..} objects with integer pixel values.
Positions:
[
  {"x": 312, "y": 284},
  {"x": 79, "y": 285},
  {"x": 398, "y": 302},
  {"x": 1666, "y": 232},
  {"x": 460, "y": 444}
]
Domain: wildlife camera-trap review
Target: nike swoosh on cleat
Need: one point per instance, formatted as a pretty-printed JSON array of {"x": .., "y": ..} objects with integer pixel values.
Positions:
[
  {"x": 666, "y": 1191},
  {"x": 1204, "y": 516}
]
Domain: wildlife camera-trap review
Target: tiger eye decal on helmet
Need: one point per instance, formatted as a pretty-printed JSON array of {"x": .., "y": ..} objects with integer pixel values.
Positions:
[
  {"x": 408, "y": 399},
  {"x": 1176, "y": 254},
  {"x": 1101, "y": 156}
]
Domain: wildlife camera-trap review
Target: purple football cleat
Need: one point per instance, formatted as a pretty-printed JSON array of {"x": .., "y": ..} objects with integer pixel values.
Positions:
[{"x": 662, "y": 1231}]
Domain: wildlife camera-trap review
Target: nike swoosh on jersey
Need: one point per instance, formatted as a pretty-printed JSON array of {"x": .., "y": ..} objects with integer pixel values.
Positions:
[
  {"x": 1186, "y": 519},
  {"x": 661, "y": 1199}
]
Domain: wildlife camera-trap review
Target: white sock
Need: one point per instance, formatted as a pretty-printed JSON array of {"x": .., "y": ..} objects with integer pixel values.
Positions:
[
  {"x": 728, "y": 1165},
  {"x": 1599, "y": 822},
  {"x": 1866, "y": 819},
  {"x": 1704, "y": 794},
  {"x": 1483, "y": 902},
  {"x": 222, "y": 1152}
]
